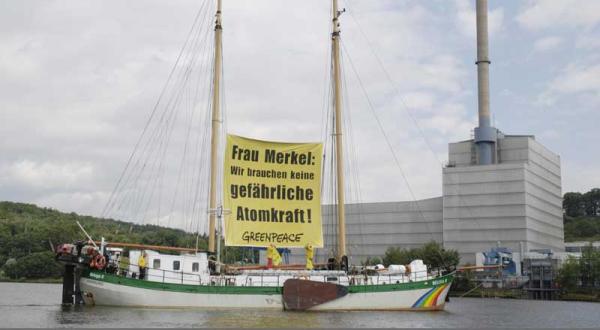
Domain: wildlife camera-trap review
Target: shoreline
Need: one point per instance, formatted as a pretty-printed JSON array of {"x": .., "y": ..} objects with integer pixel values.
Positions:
[
  {"x": 49, "y": 280},
  {"x": 521, "y": 295}
]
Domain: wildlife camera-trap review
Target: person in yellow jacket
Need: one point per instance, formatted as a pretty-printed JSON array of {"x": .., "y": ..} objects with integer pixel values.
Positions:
[
  {"x": 309, "y": 256},
  {"x": 142, "y": 265},
  {"x": 123, "y": 265},
  {"x": 270, "y": 256},
  {"x": 273, "y": 257},
  {"x": 276, "y": 257}
]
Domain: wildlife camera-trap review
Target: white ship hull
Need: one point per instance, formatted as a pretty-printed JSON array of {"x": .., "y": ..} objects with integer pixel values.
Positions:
[
  {"x": 110, "y": 294},
  {"x": 427, "y": 295}
]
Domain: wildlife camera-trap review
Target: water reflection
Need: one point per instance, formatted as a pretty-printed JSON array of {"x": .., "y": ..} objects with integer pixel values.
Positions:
[
  {"x": 35, "y": 305},
  {"x": 264, "y": 319}
]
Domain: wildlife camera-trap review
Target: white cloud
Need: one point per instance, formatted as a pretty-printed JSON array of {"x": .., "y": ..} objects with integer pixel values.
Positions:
[
  {"x": 451, "y": 119},
  {"x": 550, "y": 134},
  {"x": 80, "y": 202},
  {"x": 543, "y": 14},
  {"x": 547, "y": 43},
  {"x": 78, "y": 82},
  {"x": 588, "y": 41},
  {"x": 88, "y": 82},
  {"x": 579, "y": 177},
  {"x": 578, "y": 79},
  {"x": 48, "y": 175},
  {"x": 575, "y": 79},
  {"x": 419, "y": 100}
]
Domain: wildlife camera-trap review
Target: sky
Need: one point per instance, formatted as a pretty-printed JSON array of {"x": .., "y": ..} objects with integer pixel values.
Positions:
[{"x": 79, "y": 80}]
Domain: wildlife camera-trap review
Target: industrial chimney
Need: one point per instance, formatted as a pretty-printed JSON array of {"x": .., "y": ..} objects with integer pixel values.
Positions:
[{"x": 485, "y": 134}]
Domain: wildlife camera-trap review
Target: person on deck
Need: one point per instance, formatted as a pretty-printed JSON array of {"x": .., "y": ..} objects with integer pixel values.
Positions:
[
  {"x": 123, "y": 265},
  {"x": 276, "y": 257},
  {"x": 270, "y": 256},
  {"x": 309, "y": 256},
  {"x": 273, "y": 257},
  {"x": 142, "y": 265}
]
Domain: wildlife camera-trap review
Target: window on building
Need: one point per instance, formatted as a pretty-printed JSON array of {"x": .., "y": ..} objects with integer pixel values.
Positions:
[
  {"x": 176, "y": 265},
  {"x": 195, "y": 267},
  {"x": 156, "y": 263}
]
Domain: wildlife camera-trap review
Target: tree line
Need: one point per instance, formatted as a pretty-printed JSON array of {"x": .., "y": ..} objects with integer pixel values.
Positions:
[
  {"x": 29, "y": 233},
  {"x": 576, "y": 204},
  {"x": 581, "y": 274},
  {"x": 582, "y": 215},
  {"x": 433, "y": 255}
]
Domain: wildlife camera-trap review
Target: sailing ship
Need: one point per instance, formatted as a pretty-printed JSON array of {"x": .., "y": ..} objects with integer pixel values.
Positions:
[{"x": 192, "y": 279}]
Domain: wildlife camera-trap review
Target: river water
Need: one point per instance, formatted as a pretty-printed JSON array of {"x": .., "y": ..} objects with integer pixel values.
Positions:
[{"x": 38, "y": 305}]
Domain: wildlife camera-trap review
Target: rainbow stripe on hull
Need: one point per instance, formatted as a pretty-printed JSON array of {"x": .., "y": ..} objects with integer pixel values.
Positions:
[{"x": 430, "y": 299}]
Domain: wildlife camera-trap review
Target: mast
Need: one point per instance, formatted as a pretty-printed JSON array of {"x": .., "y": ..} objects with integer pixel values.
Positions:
[
  {"x": 335, "y": 39},
  {"x": 215, "y": 129}
]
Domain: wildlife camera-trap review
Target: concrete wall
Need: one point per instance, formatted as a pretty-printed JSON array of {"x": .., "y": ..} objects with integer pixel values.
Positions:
[
  {"x": 509, "y": 149},
  {"x": 483, "y": 205},
  {"x": 544, "y": 199},
  {"x": 517, "y": 202},
  {"x": 373, "y": 227}
]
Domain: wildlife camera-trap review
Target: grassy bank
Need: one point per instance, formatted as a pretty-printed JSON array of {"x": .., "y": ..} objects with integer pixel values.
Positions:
[
  {"x": 487, "y": 293},
  {"x": 521, "y": 294},
  {"x": 52, "y": 280},
  {"x": 28, "y": 235},
  {"x": 579, "y": 296}
]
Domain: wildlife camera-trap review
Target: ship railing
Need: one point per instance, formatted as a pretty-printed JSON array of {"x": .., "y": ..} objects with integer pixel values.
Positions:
[
  {"x": 357, "y": 279},
  {"x": 264, "y": 280},
  {"x": 157, "y": 274},
  {"x": 397, "y": 278}
]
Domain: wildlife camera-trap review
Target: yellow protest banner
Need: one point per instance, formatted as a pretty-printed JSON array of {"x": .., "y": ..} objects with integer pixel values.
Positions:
[{"x": 273, "y": 193}]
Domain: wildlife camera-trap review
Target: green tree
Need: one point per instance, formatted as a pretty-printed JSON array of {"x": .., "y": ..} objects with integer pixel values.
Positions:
[
  {"x": 592, "y": 202},
  {"x": 27, "y": 230},
  {"x": 432, "y": 254},
  {"x": 398, "y": 256},
  {"x": 372, "y": 261},
  {"x": 464, "y": 280},
  {"x": 589, "y": 266},
  {"x": 569, "y": 274},
  {"x": 35, "y": 265},
  {"x": 583, "y": 272},
  {"x": 573, "y": 204}
]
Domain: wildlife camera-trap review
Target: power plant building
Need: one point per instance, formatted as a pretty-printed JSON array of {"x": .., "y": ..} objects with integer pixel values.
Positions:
[
  {"x": 497, "y": 190},
  {"x": 515, "y": 202}
]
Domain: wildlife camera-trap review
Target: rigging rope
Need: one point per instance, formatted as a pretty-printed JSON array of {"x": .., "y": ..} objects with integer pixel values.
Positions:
[
  {"x": 405, "y": 107},
  {"x": 147, "y": 125},
  {"x": 145, "y": 189},
  {"x": 403, "y": 103},
  {"x": 391, "y": 82},
  {"x": 387, "y": 140}
]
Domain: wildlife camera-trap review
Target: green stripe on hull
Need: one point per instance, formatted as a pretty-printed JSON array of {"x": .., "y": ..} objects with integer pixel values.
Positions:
[
  {"x": 402, "y": 286},
  {"x": 214, "y": 289},
  {"x": 256, "y": 290}
]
